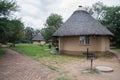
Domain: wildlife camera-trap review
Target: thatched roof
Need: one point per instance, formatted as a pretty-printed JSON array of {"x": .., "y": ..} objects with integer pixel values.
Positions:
[
  {"x": 81, "y": 23},
  {"x": 38, "y": 37}
]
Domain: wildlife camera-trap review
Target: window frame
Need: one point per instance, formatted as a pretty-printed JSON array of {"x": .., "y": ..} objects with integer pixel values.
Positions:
[{"x": 84, "y": 40}]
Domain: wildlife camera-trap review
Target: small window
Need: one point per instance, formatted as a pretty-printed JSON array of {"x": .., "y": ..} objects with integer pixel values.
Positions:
[{"x": 84, "y": 40}]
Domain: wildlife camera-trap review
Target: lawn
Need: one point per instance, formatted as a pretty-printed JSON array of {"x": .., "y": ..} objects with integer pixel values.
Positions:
[
  {"x": 1, "y": 52},
  {"x": 117, "y": 49}
]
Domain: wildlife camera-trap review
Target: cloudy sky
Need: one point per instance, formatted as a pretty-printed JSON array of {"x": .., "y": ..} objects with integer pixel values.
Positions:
[{"x": 35, "y": 12}]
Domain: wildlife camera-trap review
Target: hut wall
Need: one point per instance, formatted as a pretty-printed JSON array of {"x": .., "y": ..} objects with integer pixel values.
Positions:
[
  {"x": 39, "y": 42},
  {"x": 71, "y": 45}
]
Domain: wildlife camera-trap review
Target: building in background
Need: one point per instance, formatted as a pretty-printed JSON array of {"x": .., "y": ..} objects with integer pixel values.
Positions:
[{"x": 38, "y": 39}]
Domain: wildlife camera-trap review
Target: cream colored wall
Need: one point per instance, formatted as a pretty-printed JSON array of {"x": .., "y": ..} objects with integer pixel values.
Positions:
[
  {"x": 73, "y": 44},
  {"x": 105, "y": 44},
  {"x": 41, "y": 42}
]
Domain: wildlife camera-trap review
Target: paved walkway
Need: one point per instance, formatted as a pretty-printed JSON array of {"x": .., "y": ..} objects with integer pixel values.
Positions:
[
  {"x": 117, "y": 54},
  {"x": 15, "y": 66}
]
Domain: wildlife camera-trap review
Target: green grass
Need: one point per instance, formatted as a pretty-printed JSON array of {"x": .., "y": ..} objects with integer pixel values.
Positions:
[
  {"x": 60, "y": 78},
  {"x": 42, "y": 55},
  {"x": 0, "y": 44},
  {"x": 31, "y": 50},
  {"x": 117, "y": 49},
  {"x": 1, "y": 52},
  {"x": 36, "y": 51}
]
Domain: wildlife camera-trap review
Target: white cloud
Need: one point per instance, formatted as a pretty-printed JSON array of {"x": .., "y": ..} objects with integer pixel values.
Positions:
[
  {"x": 30, "y": 9},
  {"x": 35, "y": 12},
  {"x": 30, "y": 21}
]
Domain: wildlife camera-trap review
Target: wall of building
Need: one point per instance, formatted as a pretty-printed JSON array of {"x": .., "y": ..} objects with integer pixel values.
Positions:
[
  {"x": 72, "y": 44},
  {"x": 39, "y": 42}
]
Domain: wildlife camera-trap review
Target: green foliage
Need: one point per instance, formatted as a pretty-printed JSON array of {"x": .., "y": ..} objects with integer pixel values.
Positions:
[
  {"x": 47, "y": 34},
  {"x": 29, "y": 34},
  {"x": 53, "y": 22},
  {"x": 108, "y": 16},
  {"x": 10, "y": 29},
  {"x": 37, "y": 31},
  {"x": 1, "y": 52},
  {"x": 15, "y": 30},
  {"x": 4, "y": 30},
  {"x": 0, "y": 44},
  {"x": 112, "y": 21},
  {"x": 6, "y": 7}
]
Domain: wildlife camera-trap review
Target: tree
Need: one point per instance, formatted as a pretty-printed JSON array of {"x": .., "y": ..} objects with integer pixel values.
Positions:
[
  {"x": 16, "y": 29},
  {"x": 4, "y": 30},
  {"x": 29, "y": 34},
  {"x": 112, "y": 20},
  {"x": 47, "y": 34},
  {"x": 53, "y": 22},
  {"x": 89, "y": 10},
  {"x": 10, "y": 29},
  {"x": 7, "y": 7},
  {"x": 96, "y": 10},
  {"x": 37, "y": 31}
]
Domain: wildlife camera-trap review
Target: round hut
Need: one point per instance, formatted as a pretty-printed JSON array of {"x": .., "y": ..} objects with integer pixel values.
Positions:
[
  {"x": 38, "y": 39},
  {"x": 82, "y": 31}
]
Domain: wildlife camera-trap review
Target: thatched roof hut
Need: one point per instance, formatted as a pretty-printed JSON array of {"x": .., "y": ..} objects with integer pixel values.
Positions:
[
  {"x": 81, "y": 23},
  {"x": 82, "y": 31},
  {"x": 38, "y": 39}
]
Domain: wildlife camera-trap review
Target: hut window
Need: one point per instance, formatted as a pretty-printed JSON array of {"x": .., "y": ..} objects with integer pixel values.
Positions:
[{"x": 84, "y": 40}]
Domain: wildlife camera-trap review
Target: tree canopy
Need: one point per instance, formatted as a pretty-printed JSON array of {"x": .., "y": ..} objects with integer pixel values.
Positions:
[
  {"x": 97, "y": 10},
  {"x": 10, "y": 29},
  {"x": 28, "y": 34},
  {"x": 7, "y": 7},
  {"x": 108, "y": 16},
  {"x": 53, "y": 22},
  {"x": 112, "y": 20},
  {"x": 16, "y": 29}
]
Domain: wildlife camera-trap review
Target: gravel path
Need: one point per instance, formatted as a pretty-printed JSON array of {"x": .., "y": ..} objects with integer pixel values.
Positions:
[{"x": 15, "y": 66}]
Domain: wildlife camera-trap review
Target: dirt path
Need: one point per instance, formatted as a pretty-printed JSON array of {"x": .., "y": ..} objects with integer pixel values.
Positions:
[
  {"x": 74, "y": 70},
  {"x": 15, "y": 66}
]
